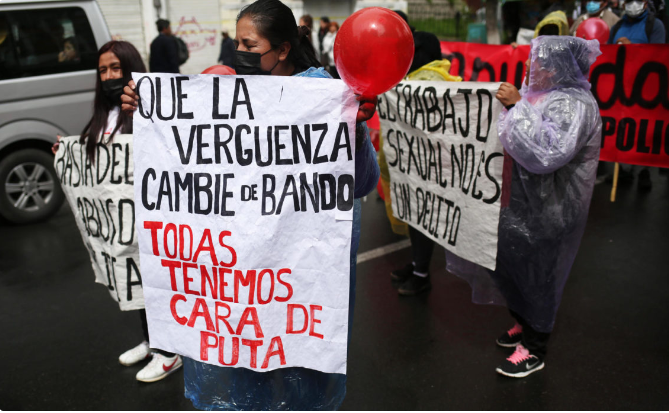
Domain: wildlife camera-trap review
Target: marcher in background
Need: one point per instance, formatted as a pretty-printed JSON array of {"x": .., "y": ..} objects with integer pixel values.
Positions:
[
  {"x": 164, "y": 57},
  {"x": 599, "y": 9},
  {"x": 328, "y": 50},
  {"x": 324, "y": 29},
  {"x": 270, "y": 42},
  {"x": 637, "y": 26},
  {"x": 414, "y": 277},
  {"x": 552, "y": 131},
  {"x": 554, "y": 24},
  {"x": 227, "y": 55},
  {"x": 308, "y": 22},
  {"x": 116, "y": 61}
]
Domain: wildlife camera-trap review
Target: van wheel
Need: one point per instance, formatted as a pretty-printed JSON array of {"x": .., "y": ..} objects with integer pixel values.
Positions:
[{"x": 29, "y": 188}]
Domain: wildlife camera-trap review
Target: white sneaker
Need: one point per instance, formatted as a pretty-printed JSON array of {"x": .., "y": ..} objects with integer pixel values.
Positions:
[
  {"x": 135, "y": 355},
  {"x": 159, "y": 368}
]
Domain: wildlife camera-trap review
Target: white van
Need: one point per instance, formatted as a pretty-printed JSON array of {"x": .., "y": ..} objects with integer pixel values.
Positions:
[{"x": 48, "y": 61}]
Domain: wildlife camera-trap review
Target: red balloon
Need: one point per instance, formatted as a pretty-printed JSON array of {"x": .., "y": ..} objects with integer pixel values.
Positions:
[
  {"x": 219, "y": 70},
  {"x": 373, "y": 50},
  {"x": 594, "y": 28}
]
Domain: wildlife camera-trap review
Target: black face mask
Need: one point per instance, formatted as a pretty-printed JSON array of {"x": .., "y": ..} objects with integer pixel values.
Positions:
[
  {"x": 248, "y": 63},
  {"x": 113, "y": 89}
]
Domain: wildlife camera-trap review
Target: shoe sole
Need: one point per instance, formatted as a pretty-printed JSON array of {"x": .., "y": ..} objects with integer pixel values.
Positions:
[
  {"x": 521, "y": 374},
  {"x": 132, "y": 364},
  {"x": 162, "y": 376},
  {"x": 508, "y": 345},
  {"x": 409, "y": 293}
]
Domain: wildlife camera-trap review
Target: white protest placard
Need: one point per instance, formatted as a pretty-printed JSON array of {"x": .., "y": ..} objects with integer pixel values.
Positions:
[
  {"x": 244, "y": 211},
  {"x": 102, "y": 199},
  {"x": 445, "y": 162}
]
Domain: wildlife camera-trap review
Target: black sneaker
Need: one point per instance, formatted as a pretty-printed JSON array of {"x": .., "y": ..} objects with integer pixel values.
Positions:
[
  {"x": 511, "y": 337},
  {"x": 415, "y": 285},
  {"x": 402, "y": 274},
  {"x": 521, "y": 363},
  {"x": 645, "y": 184}
]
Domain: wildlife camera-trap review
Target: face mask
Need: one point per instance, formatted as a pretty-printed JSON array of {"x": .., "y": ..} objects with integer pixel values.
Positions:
[
  {"x": 113, "y": 89},
  {"x": 248, "y": 63},
  {"x": 592, "y": 7},
  {"x": 634, "y": 8}
]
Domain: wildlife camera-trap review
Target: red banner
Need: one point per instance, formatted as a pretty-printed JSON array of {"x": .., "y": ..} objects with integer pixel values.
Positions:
[{"x": 630, "y": 83}]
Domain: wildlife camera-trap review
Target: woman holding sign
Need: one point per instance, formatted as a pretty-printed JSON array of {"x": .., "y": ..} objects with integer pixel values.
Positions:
[
  {"x": 269, "y": 42},
  {"x": 552, "y": 130},
  {"x": 116, "y": 61}
]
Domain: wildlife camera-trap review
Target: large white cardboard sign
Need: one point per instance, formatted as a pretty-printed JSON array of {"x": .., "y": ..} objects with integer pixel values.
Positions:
[
  {"x": 445, "y": 162},
  {"x": 101, "y": 196},
  {"x": 244, "y": 195}
]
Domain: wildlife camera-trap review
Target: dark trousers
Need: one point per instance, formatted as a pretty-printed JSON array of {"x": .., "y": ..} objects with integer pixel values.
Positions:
[
  {"x": 145, "y": 330},
  {"x": 421, "y": 250},
  {"x": 536, "y": 342}
]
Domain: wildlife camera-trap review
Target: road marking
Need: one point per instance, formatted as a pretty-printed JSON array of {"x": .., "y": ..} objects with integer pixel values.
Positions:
[{"x": 381, "y": 251}]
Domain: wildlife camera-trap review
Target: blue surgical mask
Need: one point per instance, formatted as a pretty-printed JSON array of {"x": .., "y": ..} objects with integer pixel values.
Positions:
[{"x": 592, "y": 7}]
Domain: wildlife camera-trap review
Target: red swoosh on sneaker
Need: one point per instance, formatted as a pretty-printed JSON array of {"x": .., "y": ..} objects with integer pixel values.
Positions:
[{"x": 168, "y": 368}]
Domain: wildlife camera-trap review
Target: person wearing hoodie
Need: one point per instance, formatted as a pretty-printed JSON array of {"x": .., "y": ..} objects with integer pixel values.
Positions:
[{"x": 552, "y": 131}]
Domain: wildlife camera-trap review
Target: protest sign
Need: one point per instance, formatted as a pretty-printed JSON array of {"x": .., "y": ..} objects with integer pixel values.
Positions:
[
  {"x": 629, "y": 82},
  {"x": 244, "y": 211},
  {"x": 445, "y": 162},
  {"x": 101, "y": 196}
]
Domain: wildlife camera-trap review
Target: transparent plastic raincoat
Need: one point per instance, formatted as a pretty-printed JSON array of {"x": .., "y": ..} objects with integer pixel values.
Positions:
[
  {"x": 219, "y": 388},
  {"x": 553, "y": 135}
]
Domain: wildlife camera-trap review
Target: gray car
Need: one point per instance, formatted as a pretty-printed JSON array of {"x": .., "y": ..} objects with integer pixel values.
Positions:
[{"x": 48, "y": 61}]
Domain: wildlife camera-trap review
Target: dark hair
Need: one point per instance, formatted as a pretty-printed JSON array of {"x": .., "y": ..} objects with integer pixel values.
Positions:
[
  {"x": 74, "y": 42},
  {"x": 308, "y": 20},
  {"x": 162, "y": 24},
  {"x": 276, "y": 22},
  {"x": 403, "y": 15},
  {"x": 131, "y": 61},
  {"x": 325, "y": 19},
  {"x": 549, "y": 30}
]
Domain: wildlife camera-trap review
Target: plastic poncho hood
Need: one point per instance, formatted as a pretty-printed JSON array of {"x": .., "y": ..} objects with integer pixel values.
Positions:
[{"x": 560, "y": 61}]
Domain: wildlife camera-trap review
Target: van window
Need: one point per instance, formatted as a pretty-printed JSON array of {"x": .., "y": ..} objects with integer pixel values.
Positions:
[{"x": 45, "y": 41}]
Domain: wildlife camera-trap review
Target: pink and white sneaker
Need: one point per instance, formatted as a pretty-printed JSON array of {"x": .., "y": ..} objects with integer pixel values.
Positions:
[
  {"x": 521, "y": 363},
  {"x": 511, "y": 337}
]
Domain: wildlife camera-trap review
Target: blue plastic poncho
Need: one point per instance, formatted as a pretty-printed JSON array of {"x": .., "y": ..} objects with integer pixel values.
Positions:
[
  {"x": 218, "y": 388},
  {"x": 553, "y": 135}
]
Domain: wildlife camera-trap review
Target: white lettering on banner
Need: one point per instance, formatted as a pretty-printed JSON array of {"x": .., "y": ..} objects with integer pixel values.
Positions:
[
  {"x": 445, "y": 162},
  {"x": 244, "y": 213},
  {"x": 101, "y": 196}
]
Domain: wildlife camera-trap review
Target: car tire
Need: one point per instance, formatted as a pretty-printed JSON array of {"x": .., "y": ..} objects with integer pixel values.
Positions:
[{"x": 29, "y": 187}]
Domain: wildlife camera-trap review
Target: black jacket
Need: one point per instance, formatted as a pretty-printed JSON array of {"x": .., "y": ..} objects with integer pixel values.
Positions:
[{"x": 164, "y": 57}]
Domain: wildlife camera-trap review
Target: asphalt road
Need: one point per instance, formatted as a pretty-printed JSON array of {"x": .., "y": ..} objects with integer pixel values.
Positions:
[{"x": 61, "y": 334}]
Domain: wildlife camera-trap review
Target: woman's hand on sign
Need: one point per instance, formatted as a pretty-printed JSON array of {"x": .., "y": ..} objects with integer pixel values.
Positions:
[
  {"x": 129, "y": 98},
  {"x": 55, "y": 146},
  {"x": 623, "y": 40},
  {"x": 366, "y": 109},
  {"x": 508, "y": 94}
]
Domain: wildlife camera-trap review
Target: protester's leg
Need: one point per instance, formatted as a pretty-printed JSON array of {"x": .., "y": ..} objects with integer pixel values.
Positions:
[
  {"x": 163, "y": 364},
  {"x": 421, "y": 251},
  {"x": 535, "y": 341},
  {"x": 145, "y": 330},
  {"x": 141, "y": 351}
]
